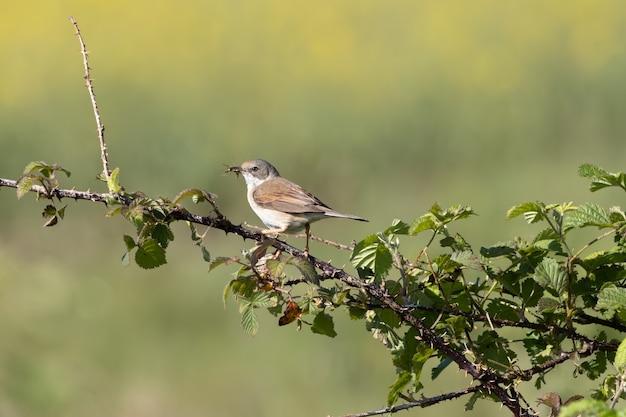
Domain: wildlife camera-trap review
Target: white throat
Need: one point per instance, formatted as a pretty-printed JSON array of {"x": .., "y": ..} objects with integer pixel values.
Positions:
[{"x": 252, "y": 181}]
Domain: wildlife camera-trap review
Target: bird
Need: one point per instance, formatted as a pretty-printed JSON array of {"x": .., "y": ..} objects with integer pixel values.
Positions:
[{"x": 283, "y": 206}]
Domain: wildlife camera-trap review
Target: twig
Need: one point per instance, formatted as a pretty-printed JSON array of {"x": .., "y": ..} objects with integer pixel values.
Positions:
[
  {"x": 424, "y": 402},
  {"x": 58, "y": 193},
  {"x": 88, "y": 83}
]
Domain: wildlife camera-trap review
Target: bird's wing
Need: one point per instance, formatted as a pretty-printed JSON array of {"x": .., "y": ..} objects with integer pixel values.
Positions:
[{"x": 283, "y": 195}]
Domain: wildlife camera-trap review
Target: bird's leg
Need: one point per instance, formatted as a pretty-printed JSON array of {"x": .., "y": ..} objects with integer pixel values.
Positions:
[{"x": 307, "y": 230}]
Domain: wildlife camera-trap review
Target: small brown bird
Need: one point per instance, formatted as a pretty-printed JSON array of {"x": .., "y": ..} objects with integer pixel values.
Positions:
[{"x": 281, "y": 205}]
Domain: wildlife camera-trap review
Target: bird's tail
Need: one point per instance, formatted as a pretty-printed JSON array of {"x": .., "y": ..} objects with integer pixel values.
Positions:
[{"x": 346, "y": 216}]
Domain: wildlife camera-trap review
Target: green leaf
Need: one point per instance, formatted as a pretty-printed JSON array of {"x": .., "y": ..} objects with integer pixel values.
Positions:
[
  {"x": 275, "y": 267},
  {"x": 38, "y": 166},
  {"x": 404, "y": 379},
  {"x": 503, "y": 249},
  {"x": 398, "y": 227},
  {"x": 114, "y": 211},
  {"x": 439, "y": 368},
  {"x": 149, "y": 254},
  {"x": 113, "y": 183},
  {"x": 323, "y": 324},
  {"x": 425, "y": 222},
  {"x": 129, "y": 242},
  {"x": 49, "y": 211},
  {"x": 356, "y": 313},
  {"x": 550, "y": 275},
  {"x": 503, "y": 309},
  {"x": 306, "y": 268},
  {"x": 468, "y": 259},
  {"x": 588, "y": 408},
  {"x": 249, "y": 321},
  {"x": 51, "y": 222},
  {"x": 590, "y": 171},
  {"x": 588, "y": 214},
  {"x": 532, "y": 212},
  {"x": 620, "y": 357},
  {"x": 221, "y": 260},
  {"x": 162, "y": 234},
  {"x": 197, "y": 195},
  {"x": 205, "y": 254},
  {"x": 547, "y": 304},
  {"x": 23, "y": 185},
  {"x": 373, "y": 254},
  {"x": 612, "y": 298}
]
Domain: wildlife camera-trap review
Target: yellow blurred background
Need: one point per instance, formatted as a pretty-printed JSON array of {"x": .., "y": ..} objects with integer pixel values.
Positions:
[{"x": 379, "y": 108}]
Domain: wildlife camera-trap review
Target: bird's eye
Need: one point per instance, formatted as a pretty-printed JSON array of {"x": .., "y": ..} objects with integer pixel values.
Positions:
[{"x": 254, "y": 169}]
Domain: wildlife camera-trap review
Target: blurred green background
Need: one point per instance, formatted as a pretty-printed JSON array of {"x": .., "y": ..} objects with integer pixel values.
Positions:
[{"x": 379, "y": 108}]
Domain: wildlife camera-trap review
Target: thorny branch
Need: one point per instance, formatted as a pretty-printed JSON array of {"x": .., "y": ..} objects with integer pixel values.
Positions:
[
  {"x": 424, "y": 402},
  {"x": 489, "y": 381},
  {"x": 94, "y": 104}
]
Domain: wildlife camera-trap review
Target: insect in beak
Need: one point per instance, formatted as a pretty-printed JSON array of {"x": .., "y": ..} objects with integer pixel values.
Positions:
[{"x": 236, "y": 170}]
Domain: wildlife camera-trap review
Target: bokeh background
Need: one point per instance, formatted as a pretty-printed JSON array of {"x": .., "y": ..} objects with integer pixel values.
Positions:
[{"x": 379, "y": 108}]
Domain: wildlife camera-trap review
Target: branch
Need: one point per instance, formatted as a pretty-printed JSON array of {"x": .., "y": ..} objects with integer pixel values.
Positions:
[
  {"x": 92, "y": 95},
  {"x": 490, "y": 382},
  {"x": 424, "y": 402},
  {"x": 58, "y": 193}
]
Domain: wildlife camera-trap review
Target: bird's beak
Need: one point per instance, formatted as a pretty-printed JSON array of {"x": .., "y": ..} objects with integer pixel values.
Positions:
[{"x": 236, "y": 170}]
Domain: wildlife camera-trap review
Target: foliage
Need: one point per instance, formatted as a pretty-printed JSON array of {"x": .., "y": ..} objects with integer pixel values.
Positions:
[{"x": 484, "y": 310}]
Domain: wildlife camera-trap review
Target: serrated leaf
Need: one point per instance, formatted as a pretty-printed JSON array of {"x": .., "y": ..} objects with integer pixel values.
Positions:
[
  {"x": 436, "y": 371},
  {"x": 531, "y": 211},
  {"x": 588, "y": 214},
  {"x": 423, "y": 223},
  {"x": 36, "y": 166},
  {"x": 398, "y": 227},
  {"x": 275, "y": 267},
  {"x": 547, "y": 304},
  {"x": 468, "y": 259},
  {"x": 162, "y": 234},
  {"x": 590, "y": 170},
  {"x": 52, "y": 221},
  {"x": 307, "y": 269},
  {"x": 323, "y": 324},
  {"x": 498, "y": 250},
  {"x": 249, "y": 321},
  {"x": 149, "y": 254},
  {"x": 61, "y": 212},
  {"x": 549, "y": 274},
  {"x": 373, "y": 254},
  {"x": 620, "y": 357},
  {"x": 48, "y": 211},
  {"x": 23, "y": 185},
  {"x": 612, "y": 298},
  {"x": 587, "y": 408},
  {"x": 221, "y": 260}
]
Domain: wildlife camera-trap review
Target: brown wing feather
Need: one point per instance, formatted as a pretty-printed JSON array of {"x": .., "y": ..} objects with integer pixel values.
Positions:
[{"x": 283, "y": 195}]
